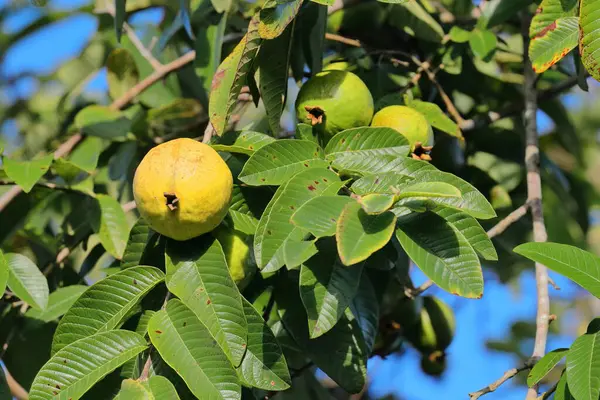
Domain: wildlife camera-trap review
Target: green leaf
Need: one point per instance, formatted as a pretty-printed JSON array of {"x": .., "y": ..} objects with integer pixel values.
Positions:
[
  {"x": 549, "y": 46},
  {"x": 545, "y": 365},
  {"x": 140, "y": 242},
  {"x": 562, "y": 390},
  {"x": 26, "y": 281},
  {"x": 27, "y": 173},
  {"x": 231, "y": 76},
  {"x": 275, "y": 163},
  {"x": 67, "y": 170},
  {"x": 188, "y": 347},
  {"x": 589, "y": 45},
  {"x": 87, "y": 153},
  {"x": 274, "y": 228},
  {"x": 313, "y": 24},
  {"x": 377, "y": 203},
  {"x": 297, "y": 252},
  {"x": 319, "y": 215},
  {"x": 156, "y": 387},
  {"x": 221, "y": 5},
  {"x": 326, "y": 289},
  {"x": 363, "y": 144},
  {"x": 76, "y": 368},
  {"x": 325, "y": 2},
  {"x": 244, "y": 142},
  {"x": 483, "y": 43},
  {"x": 111, "y": 225},
  {"x": 436, "y": 117},
  {"x": 340, "y": 353},
  {"x": 105, "y": 305},
  {"x": 120, "y": 16},
  {"x": 416, "y": 21},
  {"x": 583, "y": 367},
  {"x": 394, "y": 1},
  {"x": 548, "y": 12},
  {"x": 383, "y": 183},
  {"x": 470, "y": 228},
  {"x": 208, "y": 46},
  {"x": 365, "y": 308},
  {"x": 506, "y": 173},
  {"x": 445, "y": 256},
  {"x": 59, "y": 302},
  {"x": 581, "y": 266},
  {"x": 264, "y": 365},
  {"x": 4, "y": 273},
  {"x": 197, "y": 273},
  {"x": 459, "y": 35},
  {"x": 359, "y": 234},
  {"x": 275, "y": 17},
  {"x": 274, "y": 64},
  {"x": 433, "y": 190},
  {"x": 505, "y": 10},
  {"x": 103, "y": 122},
  {"x": 122, "y": 73},
  {"x": 176, "y": 117},
  {"x": 242, "y": 210}
]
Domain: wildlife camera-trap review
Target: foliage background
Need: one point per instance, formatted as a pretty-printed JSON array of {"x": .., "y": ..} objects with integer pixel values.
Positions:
[{"x": 483, "y": 326}]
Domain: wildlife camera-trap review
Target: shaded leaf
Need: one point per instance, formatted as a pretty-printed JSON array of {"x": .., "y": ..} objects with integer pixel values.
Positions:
[
  {"x": 365, "y": 308},
  {"x": 276, "y": 162},
  {"x": 319, "y": 215},
  {"x": 275, "y": 17},
  {"x": 120, "y": 15},
  {"x": 482, "y": 43},
  {"x": 122, "y": 73},
  {"x": 197, "y": 273},
  {"x": 264, "y": 365},
  {"x": 140, "y": 237},
  {"x": 545, "y": 365},
  {"x": 105, "y": 305},
  {"x": 26, "y": 173},
  {"x": 59, "y": 302},
  {"x": 103, "y": 122},
  {"x": 208, "y": 46},
  {"x": 562, "y": 389},
  {"x": 442, "y": 253},
  {"x": 4, "y": 272},
  {"x": 111, "y": 225},
  {"x": 180, "y": 115},
  {"x": 416, "y": 21},
  {"x": 188, "y": 347},
  {"x": 436, "y": 117},
  {"x": 26, "y": 281},
  {"x": 76, "y": 368},
  {"x": 86, "y": 154},
  {"x": 549, "y": 46},
  {"x": 313, "y": 24},
  {"x": 505, "y": 10}
]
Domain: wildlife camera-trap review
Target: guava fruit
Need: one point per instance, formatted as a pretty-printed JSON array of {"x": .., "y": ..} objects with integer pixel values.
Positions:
[
  {"x": 433, "y": 364},
  {"x": 435, "y": 329},
  {"x": 239, "y": 255},
  {"x": 182, "y": 188},
  {"x": 411, "y": 124},
  {"x": 333, "y": 101}
]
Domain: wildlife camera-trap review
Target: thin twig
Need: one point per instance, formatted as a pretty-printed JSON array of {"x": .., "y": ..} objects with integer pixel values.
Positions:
[
  {"x": 119, "y": 103},
  {"x": 507, "y": 221},
  {"x": 534, "y": 198},
  {"x": 546, "y": 395},
  {"x": 15, "y": 388},
  {"x": 411, "y": 293},
  {"x": 496, "y": 384},
  {"x": 135, "y": 40}
]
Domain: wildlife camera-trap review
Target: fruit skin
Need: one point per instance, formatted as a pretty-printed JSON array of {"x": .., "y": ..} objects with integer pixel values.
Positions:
[
  {"x": 409, "y": 122},
  {"x": 433, "y": 364},
  {"x": 342, "y": 98},
  {"x": 198, "y": 178},
  {"x": 239, "y": 255},
  {"x": 436, "y": 327}
]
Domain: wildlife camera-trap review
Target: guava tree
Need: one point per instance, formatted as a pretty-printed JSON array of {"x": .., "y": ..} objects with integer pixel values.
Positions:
[{"x": 247, "y": 201}]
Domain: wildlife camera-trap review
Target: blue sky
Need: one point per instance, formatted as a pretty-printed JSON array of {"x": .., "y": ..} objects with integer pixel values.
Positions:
[{"x": 471, "y": 365}]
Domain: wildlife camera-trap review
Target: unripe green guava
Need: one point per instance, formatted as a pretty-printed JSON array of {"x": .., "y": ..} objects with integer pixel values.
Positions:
[
  {"x": 408, "y": 121},
  {"x": 239, "y": 255},
  {"x": 333, "y": 101},
  {"x": 435, "y": 329},
  {"x": 433, "y": 364}
]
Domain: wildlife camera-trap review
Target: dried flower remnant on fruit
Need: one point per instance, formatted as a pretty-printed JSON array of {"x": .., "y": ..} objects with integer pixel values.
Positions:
[
  {"x": 172, "y": 200},
  {"x": 315, "y": 114}
]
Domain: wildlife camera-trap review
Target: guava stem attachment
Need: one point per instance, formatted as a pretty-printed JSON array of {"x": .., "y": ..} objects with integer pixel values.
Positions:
[
  {"x": 315, "y": 114},
  {"x": 172, "y": 200}
]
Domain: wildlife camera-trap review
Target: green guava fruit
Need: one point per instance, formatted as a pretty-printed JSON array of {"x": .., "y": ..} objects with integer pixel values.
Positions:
[
  {"x": 435, "y": 329},
  {"x": 333, "y": 101},
  {"x": 409, "y": 122},
  {"x": 239, "y": 255},
  {"x": 433, "y": 364}
]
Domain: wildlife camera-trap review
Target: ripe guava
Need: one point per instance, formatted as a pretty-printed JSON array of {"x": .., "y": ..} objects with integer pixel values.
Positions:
[
  {"x": 435, "y": 329},
  {"x": 182, "y": 188},
  {"x": 239, "y": 255},
  {"x": 333, "y": 101},
  {"x": 411, "y": 124}
]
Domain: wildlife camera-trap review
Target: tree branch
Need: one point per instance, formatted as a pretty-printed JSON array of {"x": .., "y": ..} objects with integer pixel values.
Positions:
[
  {"x": 534, "y": 198},
  {"x": 507, "y": 221},
  {"x": 511, "y": 373},
  {"x": 15, "y": 388}
]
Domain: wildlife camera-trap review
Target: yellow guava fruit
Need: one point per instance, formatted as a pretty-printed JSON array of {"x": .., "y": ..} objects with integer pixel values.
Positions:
[
  {"x": 182, "y": 188},
  {"x": 239, "y": 255},
  {"x": 409, "y": 122},
  {"x": 333, "y": 101}
]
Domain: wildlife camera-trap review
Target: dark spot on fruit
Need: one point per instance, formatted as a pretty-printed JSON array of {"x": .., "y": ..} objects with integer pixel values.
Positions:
[
  {"x": 208, "y": 302},
  {"x": 159, "y": 332},
  {"x": 312, "y": 188}
]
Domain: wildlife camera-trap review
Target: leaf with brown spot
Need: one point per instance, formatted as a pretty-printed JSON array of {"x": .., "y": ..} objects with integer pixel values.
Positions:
[
  {"x": 276, "y": 16},
  {"x": 549, "y": 11},
  {"x": 231, "y": 76},
  {"x": 553, "y": 42}
]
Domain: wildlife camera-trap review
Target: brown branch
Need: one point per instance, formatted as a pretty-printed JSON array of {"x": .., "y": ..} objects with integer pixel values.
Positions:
[
  {"x": 511, "y": 373},
  {"x": 507, "y": 221},
  {"x": 411, "y": 293},
  {"x": 119, "y": 103},
  {"x": 15, "y": 388},
  {"x": 546, "y": 395},
  {"x": 534, "y": 198}
]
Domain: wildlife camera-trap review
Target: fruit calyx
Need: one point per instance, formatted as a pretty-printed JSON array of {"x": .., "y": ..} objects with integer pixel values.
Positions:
[
  {"x": 421, "y": 152},
  {"x": 315, "y": 114},
  {"x": 172, "y": 200}
]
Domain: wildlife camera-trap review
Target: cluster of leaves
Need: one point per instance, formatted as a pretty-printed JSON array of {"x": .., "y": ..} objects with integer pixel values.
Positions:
[{"x": 333, "y": 226}]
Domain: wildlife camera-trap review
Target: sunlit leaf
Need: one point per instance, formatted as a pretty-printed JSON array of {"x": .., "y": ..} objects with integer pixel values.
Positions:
[
  {"x": 583, "y": 367},
  {"x": 139, "y": 246},
  {"x": 550, "y": 45},
  {"x": 122, "y": 73},
  {"x": 545, "y": 365},
  {"x": 26, "y": 281},
  {"x": 275, "y": 17},
  {"x": 103, "y": 122},
  {"x": 156, "y": 387},
  {"x": 589, "y": 24},
  {"x": 244, "y": 142},
  {"x": 319, "y": 215},
  {"x": 26, "y": 173},
  {"x": 549, "y": 11},
  {"x": 483, "y": 43},
  {"x": 59, "y": 302},
  {"x": 111, "y": 225}
]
